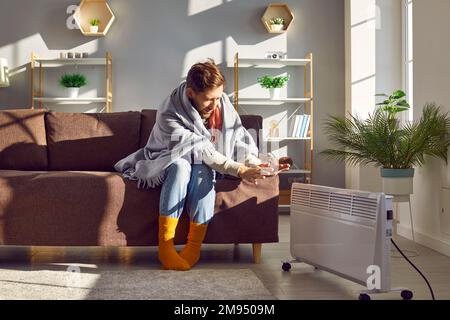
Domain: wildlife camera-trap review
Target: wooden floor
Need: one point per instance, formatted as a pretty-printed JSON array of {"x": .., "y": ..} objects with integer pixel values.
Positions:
[{"x": 302, "y": 282}]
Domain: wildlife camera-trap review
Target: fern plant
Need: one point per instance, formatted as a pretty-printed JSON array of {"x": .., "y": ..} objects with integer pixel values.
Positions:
[
  {"x": 269, "y": 82},
  {"x": 75, "y": 80},
  {"x": 382, "y": 141}
]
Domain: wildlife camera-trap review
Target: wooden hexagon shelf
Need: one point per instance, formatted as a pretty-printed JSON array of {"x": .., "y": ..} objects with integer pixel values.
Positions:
[
  {"x": 94, "y": 9},
  {"x": 277, "y": 10}
]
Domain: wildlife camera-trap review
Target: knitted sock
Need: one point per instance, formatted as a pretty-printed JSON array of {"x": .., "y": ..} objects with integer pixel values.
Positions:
[
  {"x": 167, "y": 254},
  {"x": 191, "y": 251}
]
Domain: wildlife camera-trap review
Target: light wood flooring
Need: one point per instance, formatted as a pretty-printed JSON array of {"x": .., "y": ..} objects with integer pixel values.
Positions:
[{"x": 302, "y": 282}]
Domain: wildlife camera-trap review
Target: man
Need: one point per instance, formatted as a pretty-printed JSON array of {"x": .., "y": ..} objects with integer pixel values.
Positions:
[{"x": 197, "y": 133}]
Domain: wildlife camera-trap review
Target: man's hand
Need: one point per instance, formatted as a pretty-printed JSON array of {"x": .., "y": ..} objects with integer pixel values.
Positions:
[
  {"x": 284, "y": 164},
  {"x": 284, "y": 167},
  {"x": 250, "y": 174},
  {"x": 281, "y": 168}
]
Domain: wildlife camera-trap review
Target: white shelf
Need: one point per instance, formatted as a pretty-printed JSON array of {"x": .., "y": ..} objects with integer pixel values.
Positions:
[
  {"x": 265, "y": 101},
  {"x": 296, "y": 171},
  {"x": 70, "y": 100},
  {"x": 49, "y": 62},
  {"x": 278, "y": 139},
  {"x": 262, "y": 62}
]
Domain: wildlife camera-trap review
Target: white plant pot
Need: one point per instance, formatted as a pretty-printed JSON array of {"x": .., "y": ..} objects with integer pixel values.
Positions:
[
  {"x": 398, "y": 182},
  {"x": 93, "y": 29},
  {"x": 73, "y": 92},
  {"x": 275, "y": 93},
  {"x": 277, "y": 27}
]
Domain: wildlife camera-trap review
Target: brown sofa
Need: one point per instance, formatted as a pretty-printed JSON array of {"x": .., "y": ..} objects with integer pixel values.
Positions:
[{"x": 58, "y": 186}]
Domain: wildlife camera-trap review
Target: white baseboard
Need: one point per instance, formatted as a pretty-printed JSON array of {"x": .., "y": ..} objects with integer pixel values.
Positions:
[{"x": 439, "y": 245}]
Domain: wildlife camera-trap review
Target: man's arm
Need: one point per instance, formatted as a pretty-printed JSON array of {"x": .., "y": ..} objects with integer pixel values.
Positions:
[
  {"x": 220, "y": 163},
  {"x": 252, "y": 161}
]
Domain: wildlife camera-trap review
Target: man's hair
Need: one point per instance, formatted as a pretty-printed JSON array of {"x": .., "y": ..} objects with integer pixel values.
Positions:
[{"x": 204, "y": 76}]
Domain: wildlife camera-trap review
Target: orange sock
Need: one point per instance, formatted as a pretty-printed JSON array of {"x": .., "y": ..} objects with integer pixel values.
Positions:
[
  {"x": 167, "y": 254},
  {"x": 191, "y": 252}
]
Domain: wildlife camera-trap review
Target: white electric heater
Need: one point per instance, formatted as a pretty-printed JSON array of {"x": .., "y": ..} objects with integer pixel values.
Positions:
[{"x": 345, "y": 232}]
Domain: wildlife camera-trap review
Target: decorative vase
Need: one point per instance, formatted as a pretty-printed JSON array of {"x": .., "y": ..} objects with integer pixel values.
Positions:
[
  {"x": 275, "y": 93},
  {"x": 93, "y": 29},
  {"x": 274, "y": 131},
  {"x": 397, "y": 182},
  {"x": 277, "y": 27},
  {"x": 73, "y": 92}
]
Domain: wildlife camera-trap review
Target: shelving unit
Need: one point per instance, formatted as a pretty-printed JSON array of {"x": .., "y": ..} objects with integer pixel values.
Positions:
[
  {"x": 267, "y": 102},
  {"x": 39, "y": 63},
  {"x": 69, "y": 100},
  {"x": 279, "y": 139},
  {"x": 306, "y": 64}
]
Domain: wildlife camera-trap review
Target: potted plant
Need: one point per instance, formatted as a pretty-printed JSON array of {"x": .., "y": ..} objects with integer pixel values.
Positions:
[
  {"x": 277, "y": 24},
  {"x": 73, "y": 83},
  {"x": 274, "y": 84},
  {"x": 94, "y": 23},
  {"x": 382, "y": 140}
]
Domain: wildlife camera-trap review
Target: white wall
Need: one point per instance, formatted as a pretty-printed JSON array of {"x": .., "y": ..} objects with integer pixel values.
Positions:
[
  {"x": 431, "y": 23},
  {"x": 373, "y": 65}
]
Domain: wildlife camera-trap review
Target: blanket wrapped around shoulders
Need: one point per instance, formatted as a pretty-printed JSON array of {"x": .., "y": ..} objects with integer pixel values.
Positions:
[{"x": 180, "y": 132}]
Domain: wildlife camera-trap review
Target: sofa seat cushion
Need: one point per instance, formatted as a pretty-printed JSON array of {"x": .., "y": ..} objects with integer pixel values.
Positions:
[
  {"x": 95, "y": 142},
  {"x": 23, "y": 144},
  {"x": 73, "y": 208},
  {"x": 244, "y": 212},
  {"x": 87, "y": 208}
]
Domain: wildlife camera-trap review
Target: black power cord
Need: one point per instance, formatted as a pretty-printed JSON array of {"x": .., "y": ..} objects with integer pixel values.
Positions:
[{"x": 412, "y": 264}]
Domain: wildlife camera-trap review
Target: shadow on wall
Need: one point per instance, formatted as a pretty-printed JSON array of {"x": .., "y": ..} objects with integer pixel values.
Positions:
[
  {"x": 48, "y": 18},
  {"x": 173, "y": 41},
  {"x": 42, "y": 27},
  {"x": 18, "y": 94},
  {"x": 136, "y": 38}
]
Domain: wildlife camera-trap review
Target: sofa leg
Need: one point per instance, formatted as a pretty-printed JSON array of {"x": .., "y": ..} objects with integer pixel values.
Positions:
[{"x": 257, "y": 252}]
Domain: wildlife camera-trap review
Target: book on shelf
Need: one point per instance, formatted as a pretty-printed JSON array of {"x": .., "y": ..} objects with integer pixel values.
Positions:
[
  {"x": 293, "y": 126},
  {"x": 305, "y": 126},
  {"x": 299, "y": 127}
]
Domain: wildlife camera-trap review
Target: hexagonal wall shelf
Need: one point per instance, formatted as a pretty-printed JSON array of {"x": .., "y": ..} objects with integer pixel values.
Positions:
[
  {"x": 94, "y": 9},
  {"x": 277, "y": 10}
]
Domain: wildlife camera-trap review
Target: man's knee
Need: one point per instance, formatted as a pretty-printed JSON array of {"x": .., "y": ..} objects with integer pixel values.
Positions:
[
  {"x": 202, "y": 171},
  {"x": 180, "y": 169}
]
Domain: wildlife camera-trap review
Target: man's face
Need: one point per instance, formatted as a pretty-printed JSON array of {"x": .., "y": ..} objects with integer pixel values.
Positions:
[{"x": 207, "y": 101}]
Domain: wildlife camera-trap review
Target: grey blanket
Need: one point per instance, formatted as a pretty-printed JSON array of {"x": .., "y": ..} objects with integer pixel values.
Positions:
[{"x": 180, "y": 132}]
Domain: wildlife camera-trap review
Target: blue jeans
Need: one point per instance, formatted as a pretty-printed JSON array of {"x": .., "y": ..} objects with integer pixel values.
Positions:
[{"x": 191, "y": 185}]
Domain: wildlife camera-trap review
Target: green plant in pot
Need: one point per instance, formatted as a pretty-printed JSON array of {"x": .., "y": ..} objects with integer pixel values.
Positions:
[
  {"x": 277, "y": 24},
  {"x": 383, "y": 141},
  {"x": 93, "y": 25},
  {"x": 73, "y": 83},
  {"x": 274, "y": 84}
]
